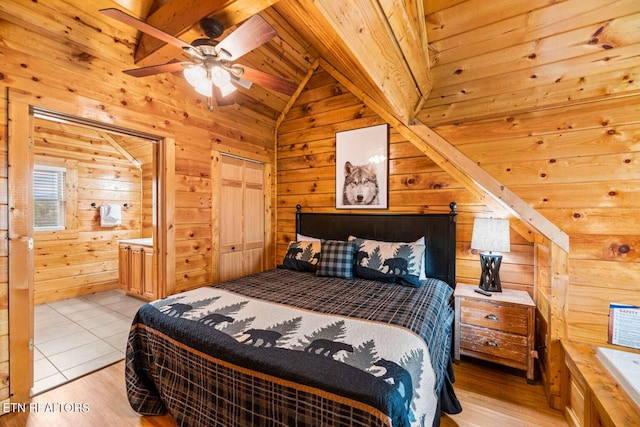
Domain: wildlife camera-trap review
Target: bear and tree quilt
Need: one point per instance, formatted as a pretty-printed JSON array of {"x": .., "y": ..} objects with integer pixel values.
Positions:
[{"x": 288, "y": 348}]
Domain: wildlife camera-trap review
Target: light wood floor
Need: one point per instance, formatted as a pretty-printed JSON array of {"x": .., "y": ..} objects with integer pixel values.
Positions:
[
  {"x": 493, "y": 396},
  {"x": 489, "y": 396}
]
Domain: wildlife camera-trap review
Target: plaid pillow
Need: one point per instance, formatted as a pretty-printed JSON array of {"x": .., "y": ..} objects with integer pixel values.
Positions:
[{"x": 336, "y": 259}]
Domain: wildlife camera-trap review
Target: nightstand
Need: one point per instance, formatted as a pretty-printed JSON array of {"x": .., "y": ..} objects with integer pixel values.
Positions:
[{"x": 499, "y": 328}]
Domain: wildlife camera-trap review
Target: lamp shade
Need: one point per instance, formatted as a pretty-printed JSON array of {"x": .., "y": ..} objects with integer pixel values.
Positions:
[{"x": 491, "y": 234}]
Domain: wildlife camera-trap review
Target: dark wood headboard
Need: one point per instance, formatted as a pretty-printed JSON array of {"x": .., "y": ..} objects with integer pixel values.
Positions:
[{"x": 439, "y": 231}]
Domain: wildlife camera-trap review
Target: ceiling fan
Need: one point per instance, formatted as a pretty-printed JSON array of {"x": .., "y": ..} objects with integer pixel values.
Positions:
[{"x": 211, "y": 70}]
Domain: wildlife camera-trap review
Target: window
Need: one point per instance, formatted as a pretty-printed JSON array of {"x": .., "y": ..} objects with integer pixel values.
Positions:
[{"x": 49, "y": 197}]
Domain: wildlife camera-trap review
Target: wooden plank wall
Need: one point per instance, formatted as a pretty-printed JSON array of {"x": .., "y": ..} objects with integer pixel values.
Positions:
[
  {"x": 545, "y": 96},
  {"x": 306, "y": 176},
  {"x": 84, "y": 259},
  {"x": 88, "y": 53}
]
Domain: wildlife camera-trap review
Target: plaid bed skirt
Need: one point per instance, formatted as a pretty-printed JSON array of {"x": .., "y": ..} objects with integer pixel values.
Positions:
[{"x": 200, "y": 390}]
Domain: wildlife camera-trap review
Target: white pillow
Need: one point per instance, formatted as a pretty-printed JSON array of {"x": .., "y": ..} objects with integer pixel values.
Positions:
[{"x": 303, "y": 238}]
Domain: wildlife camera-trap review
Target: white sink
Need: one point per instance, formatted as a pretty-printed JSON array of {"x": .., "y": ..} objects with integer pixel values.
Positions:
[{"x": 625, "y": 368}]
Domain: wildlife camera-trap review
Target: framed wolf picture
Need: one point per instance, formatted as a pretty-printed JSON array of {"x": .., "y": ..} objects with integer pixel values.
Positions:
[{"x": 362, "y": 168}]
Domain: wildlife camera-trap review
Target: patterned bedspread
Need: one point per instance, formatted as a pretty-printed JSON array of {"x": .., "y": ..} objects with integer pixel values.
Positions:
[{"x": 287, "y": 348}]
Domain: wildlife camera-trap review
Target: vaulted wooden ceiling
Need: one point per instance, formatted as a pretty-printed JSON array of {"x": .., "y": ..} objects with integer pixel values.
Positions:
[{"x": 438, "y": 63}]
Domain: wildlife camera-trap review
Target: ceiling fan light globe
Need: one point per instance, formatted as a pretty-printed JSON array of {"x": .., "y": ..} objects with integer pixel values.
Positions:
[
  {"x": 220, "y": 76},
  {"x": 204, "y": 89},
  {"x": 227, "y": 89},
  {"x": 195, "y": 76}
]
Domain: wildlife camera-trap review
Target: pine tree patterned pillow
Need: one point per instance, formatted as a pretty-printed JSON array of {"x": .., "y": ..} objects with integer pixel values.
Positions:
[
  {"x": 302, "y": 256},
  {"x": 389, "y": 261}
]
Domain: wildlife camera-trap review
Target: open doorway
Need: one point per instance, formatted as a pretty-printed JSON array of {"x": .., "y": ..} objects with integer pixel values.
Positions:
[
  {"x": 24, "y": 116},
  {"x": 80, "y": 170}
]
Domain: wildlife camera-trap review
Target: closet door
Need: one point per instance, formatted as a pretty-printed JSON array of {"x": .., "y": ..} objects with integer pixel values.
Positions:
[
  {"x": 254, "y": 218},
  {"x": 241, "y": 218}
]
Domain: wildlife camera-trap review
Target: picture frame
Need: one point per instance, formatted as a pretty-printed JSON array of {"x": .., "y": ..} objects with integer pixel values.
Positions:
[{"x": 362, "y": 168}]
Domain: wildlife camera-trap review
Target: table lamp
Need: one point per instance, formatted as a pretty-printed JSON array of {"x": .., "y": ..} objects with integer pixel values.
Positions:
[{"x": 492, "y": 235}]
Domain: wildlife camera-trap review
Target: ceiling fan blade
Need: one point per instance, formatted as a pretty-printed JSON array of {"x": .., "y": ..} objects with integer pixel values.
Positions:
[
  {"x": 254, "y": 32},
  {"x": 269, "y": 81},
  {"x": 139, "y": 25},
  {"x": 240, "y": 81},
  {"x": 171, "y": 67}
]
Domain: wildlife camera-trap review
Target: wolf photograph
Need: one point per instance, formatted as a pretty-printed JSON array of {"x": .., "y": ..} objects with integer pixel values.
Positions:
[
  {"x": 360, "y": 185},
  {"x": 361, "y": 168}
]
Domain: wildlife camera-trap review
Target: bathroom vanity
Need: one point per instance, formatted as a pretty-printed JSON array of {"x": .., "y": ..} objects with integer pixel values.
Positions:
[{"x": 137, "y": 268}]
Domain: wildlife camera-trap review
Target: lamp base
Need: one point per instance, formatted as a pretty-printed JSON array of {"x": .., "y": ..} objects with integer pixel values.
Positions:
[{"x": 490, "y": 279}]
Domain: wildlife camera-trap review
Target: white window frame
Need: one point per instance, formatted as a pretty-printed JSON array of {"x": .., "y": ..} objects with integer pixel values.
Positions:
[{"x": 61, "y": 197}]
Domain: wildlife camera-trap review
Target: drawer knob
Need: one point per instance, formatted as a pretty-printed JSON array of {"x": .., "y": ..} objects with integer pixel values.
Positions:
[
  {"x": 492, "y": 344},
  {"x": 491, "y": 317}
]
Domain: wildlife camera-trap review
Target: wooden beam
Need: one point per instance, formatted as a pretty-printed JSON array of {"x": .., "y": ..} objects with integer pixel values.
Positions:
[
  {"x": 498, "y": 192},
  {"x": 295, "y": 96},
  {"x": 180, "y": 18},
  {"x": 460, "y": 167},
  {"x": 111, "y": 140}
]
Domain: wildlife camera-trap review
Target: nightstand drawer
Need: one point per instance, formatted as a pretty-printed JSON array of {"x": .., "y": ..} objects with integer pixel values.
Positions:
[
  {"x": 495, "y": 316},
  {"x": 495, "y": 343}
]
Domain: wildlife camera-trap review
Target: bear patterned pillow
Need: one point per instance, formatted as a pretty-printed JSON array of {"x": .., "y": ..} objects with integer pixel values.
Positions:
[
  {"x": 302, "y": 256},
  {"x": 389, "y": 261}
]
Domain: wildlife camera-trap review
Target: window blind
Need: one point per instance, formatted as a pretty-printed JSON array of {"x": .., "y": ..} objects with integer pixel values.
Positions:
[{"x": 49, "y": 197}]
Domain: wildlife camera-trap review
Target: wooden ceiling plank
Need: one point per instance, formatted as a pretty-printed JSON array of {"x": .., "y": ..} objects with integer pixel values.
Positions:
[
  {"x": 304, "y": 51},
  {"x": 544, "y": 51},
  {"x": 473, "y": 14},
  {"x": 182, "y": 17},
  {"x": 174, "y": 18},
  {"x": 529, "y": 27}
]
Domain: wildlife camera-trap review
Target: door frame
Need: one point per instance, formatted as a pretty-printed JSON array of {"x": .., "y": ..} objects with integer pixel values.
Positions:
[{"x": 21, "y": 109}]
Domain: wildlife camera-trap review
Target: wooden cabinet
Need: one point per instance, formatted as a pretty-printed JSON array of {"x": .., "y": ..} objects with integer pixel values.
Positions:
[
  {"x": 593, "y": 397},
  {"x": 137, "y": 269},
  {"x": 499, "y": 328}
]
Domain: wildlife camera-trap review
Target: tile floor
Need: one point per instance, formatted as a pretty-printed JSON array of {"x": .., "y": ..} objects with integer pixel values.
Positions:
[{"x": 76, "y": 336}]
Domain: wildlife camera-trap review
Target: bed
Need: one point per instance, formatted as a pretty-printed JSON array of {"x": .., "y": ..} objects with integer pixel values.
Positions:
[{"x": 353, "y": 329}]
